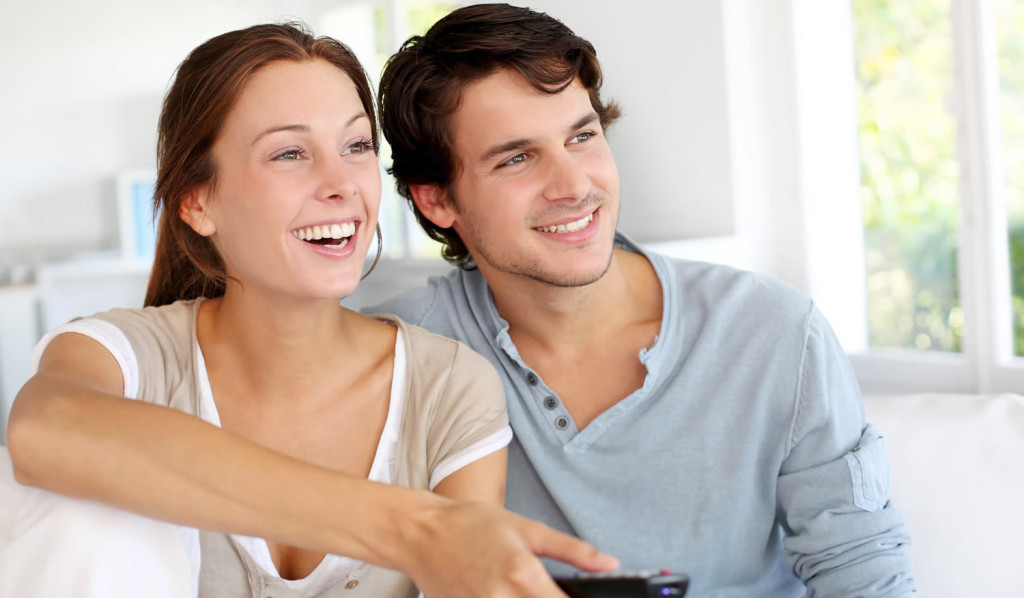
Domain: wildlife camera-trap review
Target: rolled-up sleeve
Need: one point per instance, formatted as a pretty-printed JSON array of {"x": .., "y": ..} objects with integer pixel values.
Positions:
[{"x": 844, "y": 536}]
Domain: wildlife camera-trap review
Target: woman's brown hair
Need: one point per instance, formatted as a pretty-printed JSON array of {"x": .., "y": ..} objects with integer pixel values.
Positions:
[{"x": 205, "y": 88}]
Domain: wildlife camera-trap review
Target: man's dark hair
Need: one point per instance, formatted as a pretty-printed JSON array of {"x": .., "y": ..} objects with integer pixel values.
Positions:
[{"x": 423, "y": 83}]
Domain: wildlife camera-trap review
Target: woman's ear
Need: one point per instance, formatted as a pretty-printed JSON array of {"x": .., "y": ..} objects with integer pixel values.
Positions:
[
  {"x": 194, "y": 210},
  {"x": 434, "y": 203}
]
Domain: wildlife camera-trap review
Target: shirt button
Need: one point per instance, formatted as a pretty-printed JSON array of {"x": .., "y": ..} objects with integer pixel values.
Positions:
[
  {"x": 532, "y": 379},
  {"x": 550, "y": 402},
  {"x": 352, "y": 584},
  {"x": 561, "y": 422}
]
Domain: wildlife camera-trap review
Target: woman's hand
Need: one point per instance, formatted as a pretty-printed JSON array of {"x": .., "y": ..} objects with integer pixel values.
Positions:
[{"x": 475, "y": 550}]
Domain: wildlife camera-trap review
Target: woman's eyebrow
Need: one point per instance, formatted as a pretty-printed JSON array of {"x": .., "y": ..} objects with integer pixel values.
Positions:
[{"x": 301, "y": 128}]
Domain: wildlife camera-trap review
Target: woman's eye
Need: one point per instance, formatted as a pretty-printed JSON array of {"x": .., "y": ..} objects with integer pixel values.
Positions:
[
  {"x": 291, "y": 154},
  {"x": 360, "y": 147}
]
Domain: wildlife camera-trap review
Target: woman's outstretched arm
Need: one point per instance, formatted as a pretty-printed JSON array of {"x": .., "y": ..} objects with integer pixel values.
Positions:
[{"x": 72, "y": 432}]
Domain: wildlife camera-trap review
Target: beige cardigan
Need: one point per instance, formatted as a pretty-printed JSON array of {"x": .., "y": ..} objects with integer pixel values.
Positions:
[{"x": 454, "y": 399}]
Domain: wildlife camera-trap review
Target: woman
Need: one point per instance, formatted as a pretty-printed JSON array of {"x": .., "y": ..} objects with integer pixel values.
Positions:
[{"x": 282, "y": 403}]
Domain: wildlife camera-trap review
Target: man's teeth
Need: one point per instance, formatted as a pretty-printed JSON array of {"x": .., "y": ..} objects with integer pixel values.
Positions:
[
  {"x": 570, "y": 227},
  {"x": 327, "y": 231}
]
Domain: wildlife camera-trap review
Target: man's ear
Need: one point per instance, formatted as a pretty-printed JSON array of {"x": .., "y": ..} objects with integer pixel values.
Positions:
[
  {"x": 433, "y": 203},
  {"x": 194, "y": 211}
]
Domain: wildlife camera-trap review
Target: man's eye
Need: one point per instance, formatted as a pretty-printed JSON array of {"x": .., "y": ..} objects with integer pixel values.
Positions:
[
  {"x": 581, "y": 137},
  {"x": 291, "y": 154},
  {"x": 516, "y": 159}
]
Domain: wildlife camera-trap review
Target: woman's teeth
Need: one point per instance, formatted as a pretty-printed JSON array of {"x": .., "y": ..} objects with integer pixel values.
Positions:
[
  {"x": 570, "y": 227},
  {"x": 327, "y": 232}
]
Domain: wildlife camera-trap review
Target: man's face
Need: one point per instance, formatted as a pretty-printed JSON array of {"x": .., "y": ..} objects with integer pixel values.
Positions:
[{"x": 537, "y": 193}]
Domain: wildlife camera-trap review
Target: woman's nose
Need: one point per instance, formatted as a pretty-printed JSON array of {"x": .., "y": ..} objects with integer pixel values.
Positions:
[{"x": 335, "y": 180}]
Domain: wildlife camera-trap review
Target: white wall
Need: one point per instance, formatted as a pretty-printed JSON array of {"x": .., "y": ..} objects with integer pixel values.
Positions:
[
  {"x": 705, "y": 88},
  {"x": 738, "y": 139},
  {"x": 81, "y": 92},
  {"x": 718, "y": 160},
  {"x": 709, "y": 144},
  {"x": 665, "y": 64}
]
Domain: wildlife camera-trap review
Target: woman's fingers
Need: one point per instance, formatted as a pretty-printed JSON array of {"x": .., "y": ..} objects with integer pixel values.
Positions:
[{"x": 475, "y": 550}]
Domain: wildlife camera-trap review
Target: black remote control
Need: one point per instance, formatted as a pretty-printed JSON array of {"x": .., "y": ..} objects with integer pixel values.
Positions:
[{"x": 624, "y": 584}]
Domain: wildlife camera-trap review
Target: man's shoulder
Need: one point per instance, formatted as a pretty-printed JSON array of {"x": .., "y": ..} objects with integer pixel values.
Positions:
[
  {"x": 433, "y": 305},
  {"x": 410, "y": 305},
  {"x": 706, "y": 290},
  {"x": 714, "y": 279},
  {"x": 699, "y": 279},
  {"x": 427, "y": 347}
]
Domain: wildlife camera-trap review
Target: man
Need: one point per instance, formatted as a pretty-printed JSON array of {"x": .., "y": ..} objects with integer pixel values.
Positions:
[{"x": 678, "y": 415}]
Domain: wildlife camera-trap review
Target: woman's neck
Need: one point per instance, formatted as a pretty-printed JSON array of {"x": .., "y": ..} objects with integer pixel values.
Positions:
[{"x": 276, "y": 345}]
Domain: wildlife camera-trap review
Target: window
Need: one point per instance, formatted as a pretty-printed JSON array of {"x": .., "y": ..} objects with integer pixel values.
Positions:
[
  {"x": 404, "y": 19},
  {"x": 909, "y": 174},
  {"x": 1009, "y": 17},
  {"x": 375, "y": 29},
  {"x": 940, "y": 106}
]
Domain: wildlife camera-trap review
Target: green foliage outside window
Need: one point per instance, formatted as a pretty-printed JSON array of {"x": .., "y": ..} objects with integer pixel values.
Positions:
[
  {"x": 418, "y": 16},
  {"x": 415, "y": 18},
  {"x": 1009, "y": 19},
  {"x": 909, "y": 175},
  {"x": 909, "y": 178},
  {"x": 1017, "y": 280}
]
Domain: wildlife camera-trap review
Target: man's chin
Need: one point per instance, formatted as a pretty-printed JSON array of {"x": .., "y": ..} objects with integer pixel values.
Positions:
[{"x": 574, "y": 275}]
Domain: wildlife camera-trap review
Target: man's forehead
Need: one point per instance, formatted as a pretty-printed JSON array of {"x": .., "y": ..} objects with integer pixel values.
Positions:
[
  {"x": 505, "y": 105},
  {"x": 495, "y": 90}
]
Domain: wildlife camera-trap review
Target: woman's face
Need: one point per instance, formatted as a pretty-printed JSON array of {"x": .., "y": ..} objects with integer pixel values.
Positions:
[{"x": 294, "y": 206}]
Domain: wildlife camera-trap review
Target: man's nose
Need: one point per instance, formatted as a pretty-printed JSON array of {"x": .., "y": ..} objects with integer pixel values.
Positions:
[{"x": 566, "y": 178}]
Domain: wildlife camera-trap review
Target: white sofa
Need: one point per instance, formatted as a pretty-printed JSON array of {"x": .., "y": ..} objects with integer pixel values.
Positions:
[{"x": 957, "y": 475}]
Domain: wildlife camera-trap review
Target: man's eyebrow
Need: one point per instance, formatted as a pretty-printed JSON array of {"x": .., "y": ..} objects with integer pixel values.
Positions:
[
  {"x": 301, "y": 128},
  {"x": 508, "y": 146},
  {"x": 584, "y": 120}
]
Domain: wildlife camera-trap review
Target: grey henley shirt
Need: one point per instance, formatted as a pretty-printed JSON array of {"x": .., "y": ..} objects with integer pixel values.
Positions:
[{"x": 744, "y": 460}]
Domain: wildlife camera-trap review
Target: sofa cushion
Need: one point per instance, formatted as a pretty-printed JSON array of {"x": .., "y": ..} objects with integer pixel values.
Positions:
[{"x": 958, "y": 476}]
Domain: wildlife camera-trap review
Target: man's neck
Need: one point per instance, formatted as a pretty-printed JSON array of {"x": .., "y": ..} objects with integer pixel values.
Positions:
[
  {"x": 584, "y": 341},
  {"x": 553, "y": 316}
]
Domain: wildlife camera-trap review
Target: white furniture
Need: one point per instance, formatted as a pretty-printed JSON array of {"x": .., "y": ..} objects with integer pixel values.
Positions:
[
  {"x": 958, "y": 476},
  {"x": 9, "y": 495},
  {"x": 19, "y": 331},
  {"x": 61, "y": 292}
]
